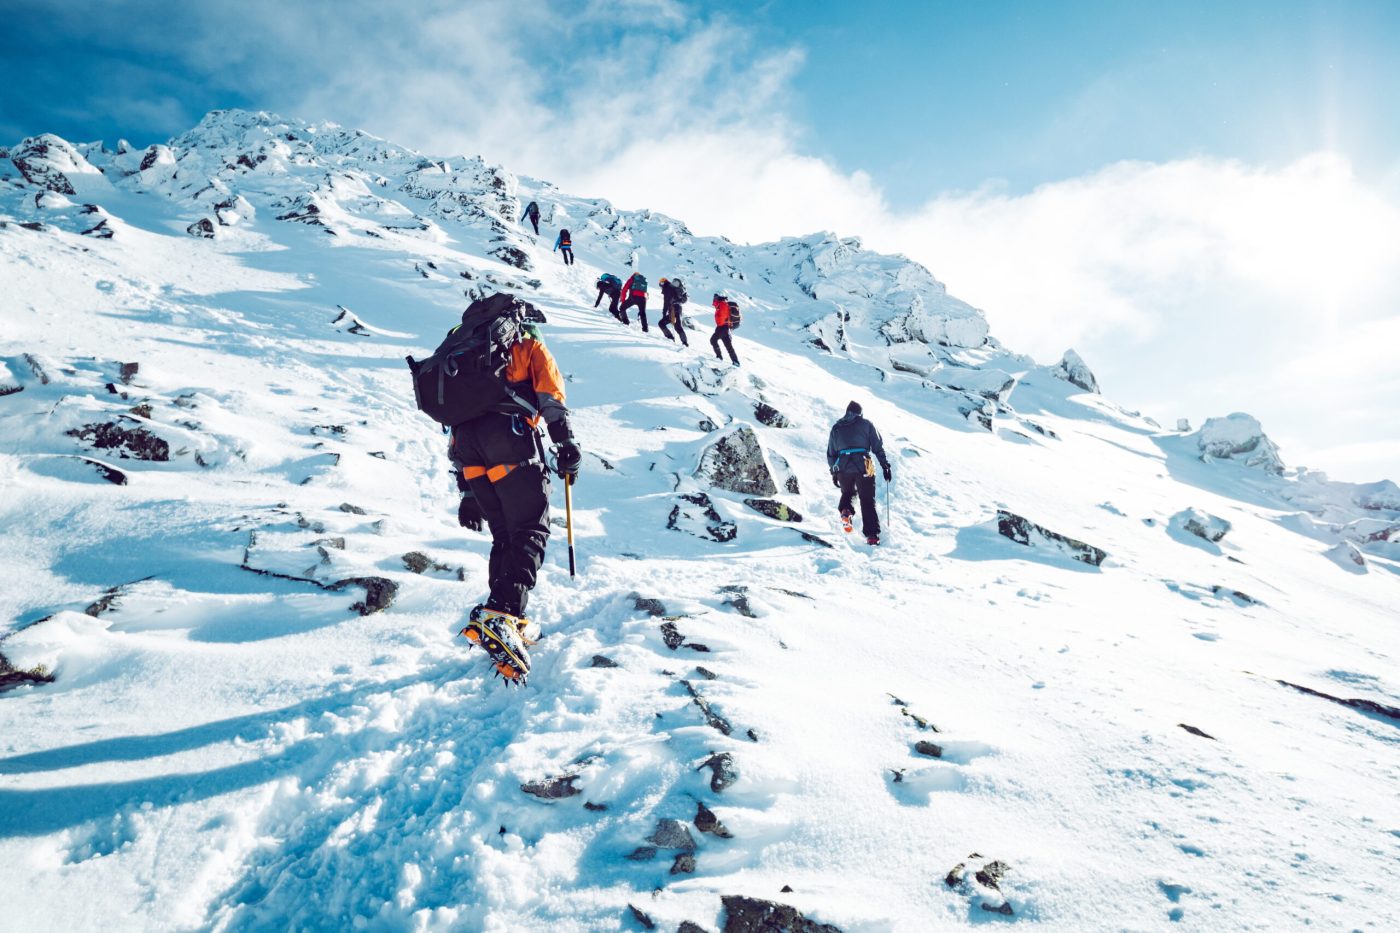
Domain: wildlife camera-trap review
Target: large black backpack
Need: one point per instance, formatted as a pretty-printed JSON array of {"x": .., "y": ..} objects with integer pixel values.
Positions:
[
  {"x": 639, "y": 283},
  {"x": 679, "y": 286},
  {"x": 735, "y": 318},
  {"x": 464, "y": 378}
]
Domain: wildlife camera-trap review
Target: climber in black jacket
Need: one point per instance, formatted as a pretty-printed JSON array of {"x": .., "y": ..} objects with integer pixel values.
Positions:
[{"x": 851, "y": 452}]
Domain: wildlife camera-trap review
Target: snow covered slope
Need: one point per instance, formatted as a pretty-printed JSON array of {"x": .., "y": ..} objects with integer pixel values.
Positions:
[{"x": 1101, "y": 676}]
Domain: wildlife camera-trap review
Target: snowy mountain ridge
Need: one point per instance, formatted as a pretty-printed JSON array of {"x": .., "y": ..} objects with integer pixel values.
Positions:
[{"x": 236, "y": 578}]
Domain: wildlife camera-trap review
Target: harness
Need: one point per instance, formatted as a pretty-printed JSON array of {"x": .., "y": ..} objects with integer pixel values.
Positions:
[{"x": 849, "y": 450}]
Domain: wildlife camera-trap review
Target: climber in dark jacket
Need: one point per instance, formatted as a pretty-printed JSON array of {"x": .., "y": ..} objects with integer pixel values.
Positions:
[
  {"x": 611, "y": 285},
  {"x": 532, "y": 214},
  {"x": 565, "y": 245},
  {"x": 851, "y": 452},
  {"x": 671, "y": 304}
]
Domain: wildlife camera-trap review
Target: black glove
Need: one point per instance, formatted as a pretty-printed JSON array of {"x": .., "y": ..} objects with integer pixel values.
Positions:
[
  {"x": 888, "y": 474},
  {"x": 568, "y": 458},
  {"x": 469, "y": 513},
  {"x": 836, "y": 480}
]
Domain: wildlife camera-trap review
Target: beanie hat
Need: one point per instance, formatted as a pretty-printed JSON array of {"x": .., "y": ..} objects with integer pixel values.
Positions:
[{"x": 853, "y": 408}]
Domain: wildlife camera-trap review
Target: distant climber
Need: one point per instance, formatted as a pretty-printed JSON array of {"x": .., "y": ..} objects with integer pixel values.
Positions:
[
  {"x": 634, "y": 295},
  {"x": 610, "y": 285},
  {"x": 722, "y": 328},
  {"x": 851, "y": 452},
  {"x": 565, "y": 246},
  {"x": 532, "y": 214},
  {"x": 673, "y": 298},
  {"x": 492, "y": 381}
]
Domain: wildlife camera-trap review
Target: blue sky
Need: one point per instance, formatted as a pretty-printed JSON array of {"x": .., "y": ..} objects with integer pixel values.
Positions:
[{"x": 1202, "y": 198}]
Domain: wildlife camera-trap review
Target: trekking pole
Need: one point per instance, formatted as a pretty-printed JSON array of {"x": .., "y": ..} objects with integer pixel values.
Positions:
[
  {"x": 887, "y": 501},
  {"x": 569, "y": 518}
]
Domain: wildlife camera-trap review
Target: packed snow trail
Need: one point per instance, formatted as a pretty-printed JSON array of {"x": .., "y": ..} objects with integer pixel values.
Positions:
[{"x": 224, "y": 748}]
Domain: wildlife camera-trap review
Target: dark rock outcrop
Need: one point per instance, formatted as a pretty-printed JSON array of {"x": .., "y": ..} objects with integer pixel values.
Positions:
[
  {"x": 203, "y": 228},
  {"x": 379, "y": 593},
  {"x": 652, "y": 607},
  {"x": 723, "y": 771},
  {"x": 11, "y": 677},
  {"x": 601, "y": 660},
  {"x": 1194, "y": 731},
  {"x": 774, "y": 509},
  {"x": 1074, "y": 370},
  {"x": 641, "y": 917},
  {"x": 1356, "y": 703},
  {"x": 512, "y": 256},
  {"x": 982, "y": 879},
  {"x": 672, "y": 834},
  {"x": 715, "y": 720},
  {"x": 1024, "y": 531},
  {"x": 707, "y": 822},
  {"x": 128, "y": 443},
  {"x": 695, "y": 514},
  {"x": 929, "y": 749},
  {"x": 555, "y": 788},
  {"x": 751, "y": 915},
  {"x": 767, "y": 414},
  {"x": 735, "y": 463}
]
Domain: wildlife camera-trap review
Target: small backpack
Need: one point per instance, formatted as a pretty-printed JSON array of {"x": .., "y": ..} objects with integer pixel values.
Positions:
[
  {"x": 465, "y": 376},
  {"x": 564, "y": 241},
  {"x": 607, "y": 278},
  {"x": 639, "y": 283},
  {"x": 679, "y": 286},
  {"x": 734, "y": 316}
]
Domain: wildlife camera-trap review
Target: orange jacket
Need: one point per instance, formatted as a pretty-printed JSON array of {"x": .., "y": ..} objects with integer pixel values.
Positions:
[
  {"x": 721, "y": 312},
  {"x": 531, "y": 364}
]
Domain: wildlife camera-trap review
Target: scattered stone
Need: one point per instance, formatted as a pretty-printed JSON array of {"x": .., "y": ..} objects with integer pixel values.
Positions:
[
  {"x": 705, "y": 672},
  {"x": 774, "y": 509},
  {"x": 984, "y": 883},
  {"x": 1201, "y": 524},
  {"x": 707, "y": 822},
  {"x": 929, "y": 749},
  {"x": 594, "y": 807},
  {"x": 787, "y": 889},
  {"x": 129, "y": 444},
  {"x": 751, "y": 915},
  {"x": 813, "y": 539},
  {"x": 1075, "y": 371},
  {"x": 1237, "y": 595},
  {"x": 991, "y": 874},
  {"x": 735, "y": 463},
  {"x": 642, "y": 918},
  {"x": 129, "y": 372},
  {"x": 740, "y": 604},
  {"x": 110, "y": 474},
  {"x": 707, "y": 425},
  {"x": 696, "y": 646},
  {"x": 1040, "y": 429},
  {"x": 378, "y": 453},
  {"x": 672, "y": 834},
  {"x": 1194, "y": 731},
  {"x": 723, "y": 771},
  {"x": 1023, "y": 531},
  {"x": 555, "y": 788},
  {"x": 379, "y": 593},
  {"x": 671, "y": 635},
  {"x": 143, "y": 410},
  {"x": 642, "y": 854},
  {"x": 696, "y": 515},
  {"x": 418, "y": 562},
  {"x": 512, "y": 256},
  {"x": 203, "y": 228},
  {"x": 352, "y": 509},
  {"x": 11, "y": 677},
  {"x": 603, "y": 661},
  {"x": 684, "y": 864},
  {"x": 898, "y": 775},
  {"x": 651, "y": 607},
  {"x": 770, "y": 416},
  {"x": 337, "y": 543},
  {"x": 753, "y": 736},
  {"x": 1004, "y": 909},
  {"x": 714, "y": 719}
]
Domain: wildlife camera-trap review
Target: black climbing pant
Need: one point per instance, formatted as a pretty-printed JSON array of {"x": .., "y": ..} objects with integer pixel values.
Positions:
[
  {"x": 568, "y": 253},
  {"x": 722, "y": 334},
  {"x": 672, "y": 314},
  {"x": 640, "y": 303},
  {"x": 857, "y": 483},
  {"x": 612, "y": 305},
  {"x": 535, "y": 222},
  {"x": 517, "y": 512}
]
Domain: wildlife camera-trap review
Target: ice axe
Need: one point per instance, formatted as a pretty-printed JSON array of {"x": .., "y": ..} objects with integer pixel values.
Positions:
[{"x": 887, "y": 502}]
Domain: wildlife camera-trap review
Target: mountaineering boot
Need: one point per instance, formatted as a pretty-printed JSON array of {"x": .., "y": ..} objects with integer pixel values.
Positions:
[
  {"x": 846, "y": 525},
  {"x": 872, "y": 540},
  {"x": 500, "y": 634}
]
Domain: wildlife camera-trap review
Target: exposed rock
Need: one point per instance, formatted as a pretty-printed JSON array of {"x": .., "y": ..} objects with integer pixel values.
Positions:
[
  {"x": 1346, "y": 556},
  {"x": 42, "y": 160},
  {"x": 984, "y": 883},
  {"x": 352, "y": 509},
  {"x": 723, "y": 771},
  {"x": 36, "y": 367},
  {"x": 770, "y": 416},
  {"x": 706, "y": 673},
  {"x": 672, "y": 834},
  {"x": 600, "y": 660},
  {"x": 929, "y": 749},
  {"x": 642, "y": 854},
  {"x": 671, "y": 635},
  {"x": 11, "y": 677},
  {"x": 1357, "y": 703},
  {"x": 813, "y": 539},
  {"x": 738, "y": 600},
  {"x": 379, "y": 593},
  {"x": 751, "y": 915},
  {"x": 993, "y": 385},
  {"x": 1075, "y": 371},
  {"x": 688, "y": 926},
  {"x": 1024, "y": 531},
  {"x": 128, "y": 372},
  {"x": 642, "y": 918},
  {"x": 108, "y": 600},
  {"x": 735, "y": 463},
  {"x": 707, "y": 425},
  {"x": 684, "y": 864},
  {"x": 715, "y": 720},
  {"x": 1201, "y": 524},
  {"x": 555, "y": 788},
  {"x": 203, "y": 227},
  {"x": 128, "y": 443},
  {"x": 1237, "y": 595},
  {"x": 1241, "y": 438},
  {"x": 652, "y": 607},
  {"x": 695, "y": 514},
  {"x": 512, "y": 256},
  {"x": 1194, "y": 731},
  {"x": 707, "y": 822},
  {"x": 774, "y": 509}
]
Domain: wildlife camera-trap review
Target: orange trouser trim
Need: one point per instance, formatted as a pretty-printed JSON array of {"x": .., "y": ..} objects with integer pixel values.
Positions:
[{"x": 495, "y": 474}]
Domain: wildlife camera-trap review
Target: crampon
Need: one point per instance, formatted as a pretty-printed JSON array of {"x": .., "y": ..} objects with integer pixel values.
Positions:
[
  {"x": 846, "y": 525},
  {"x": 501, "y": 635}
]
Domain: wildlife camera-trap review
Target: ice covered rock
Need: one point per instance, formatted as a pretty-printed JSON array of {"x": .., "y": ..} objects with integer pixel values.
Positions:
[
  {"x": 127, "y": 443},
  {"x": 1346, "y": 556},
  {"x": 1383, "y": 496},
  {"x": 1074, "y": 370},
  {"x": 1024, "y": 531},
  {"x": 774, "y": 509},
  {"x": 981, "y": 879},
  {"x": 672, "y": 834},
  {"x": 50, "y": 163},
  {"x": 723, "y": 771},
  {"x": 707, "y": 822},
  {"x": 203, "y": 227},
  {"x": 554, "y": 788},
  {"x": 1201, "y": 524},
  {"x": 1239, "y": 437},
  {"x": 735, "y": 463},
  {"x": 695, "y": 514},
  {"x": 1183, "y": 425},
  {"x": 990, "y": 384}
]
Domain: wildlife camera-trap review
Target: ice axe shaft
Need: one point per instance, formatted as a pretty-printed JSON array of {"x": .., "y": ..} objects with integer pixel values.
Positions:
[{"x": 569, "y": 519}]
